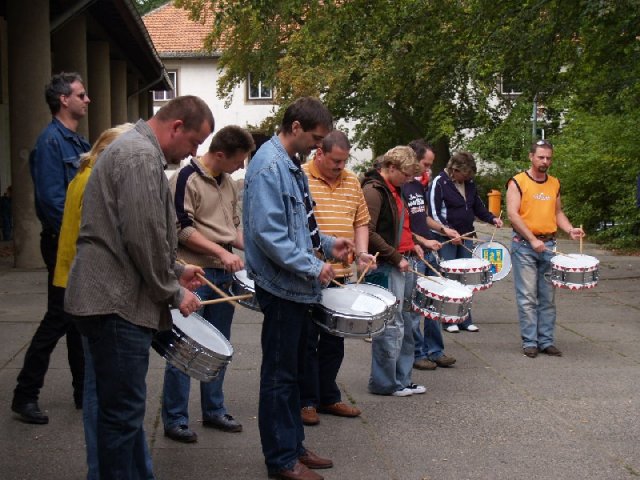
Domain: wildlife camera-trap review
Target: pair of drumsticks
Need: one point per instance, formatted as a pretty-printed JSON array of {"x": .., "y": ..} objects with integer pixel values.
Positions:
[{"x": 219, "y": 291}]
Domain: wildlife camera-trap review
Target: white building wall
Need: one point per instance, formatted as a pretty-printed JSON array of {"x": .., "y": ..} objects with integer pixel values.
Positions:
[{"x": 200, "y": 76}]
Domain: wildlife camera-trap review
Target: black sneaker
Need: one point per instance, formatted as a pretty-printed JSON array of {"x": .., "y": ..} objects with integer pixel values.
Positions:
[{"x": 181, "y": 433}]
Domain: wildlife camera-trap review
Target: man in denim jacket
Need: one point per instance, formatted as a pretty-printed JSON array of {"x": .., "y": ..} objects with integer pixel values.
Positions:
[
  {"x": 53, "y": 162},
  {"x": 285, "y": 255}
]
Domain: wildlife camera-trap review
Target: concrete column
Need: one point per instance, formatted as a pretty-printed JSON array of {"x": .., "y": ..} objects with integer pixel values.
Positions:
[
  {"x": 133, "y": 105},
  {"x": 29, "y": 72},
  {"x": 118, "y": 92},
  {"x": 69, "y": 54},
  {"x": 143, "y": 100},
  {"x": 100, "y": 81}
]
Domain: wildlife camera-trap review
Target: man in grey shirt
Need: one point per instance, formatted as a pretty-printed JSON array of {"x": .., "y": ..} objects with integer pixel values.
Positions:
[{"x": 124, "y": 277}]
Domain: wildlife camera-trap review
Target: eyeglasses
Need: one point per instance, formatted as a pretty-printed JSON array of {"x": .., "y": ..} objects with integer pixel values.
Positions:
[{"x": 81, "y": 96}]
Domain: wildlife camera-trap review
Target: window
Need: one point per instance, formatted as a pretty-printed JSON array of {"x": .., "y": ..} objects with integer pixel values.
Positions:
[
  {"x": 508, "y": 86},
  {"x": 257, "y": 89},
  {"x": 163, "y": 96}
]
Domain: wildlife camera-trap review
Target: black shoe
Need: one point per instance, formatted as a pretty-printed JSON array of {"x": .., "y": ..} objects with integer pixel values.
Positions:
[
  {"x": 181, "y": 433},
  {"x": 531, "y": 352},
  {"x": 77, "y": 400},
  {"x": 30, "y": 413},
  {"x": 225, "y": 422}
]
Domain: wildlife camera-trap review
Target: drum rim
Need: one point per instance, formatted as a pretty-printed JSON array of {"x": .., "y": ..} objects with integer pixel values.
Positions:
[{"x": 201, "y": 319}]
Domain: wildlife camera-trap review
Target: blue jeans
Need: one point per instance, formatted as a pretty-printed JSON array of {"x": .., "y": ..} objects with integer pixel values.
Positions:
[
  {"x": 429, "y": 345},
  {"x": 451, "y": 252},
  {"x": 90, "y": 420},
  {"x": 392, "y": 350},
  {"x": 284, "y": 337},
  {"x": 120, "y": 352},
  {"x": 175, "y": 394},
  {"x": 535, "y": 295}
]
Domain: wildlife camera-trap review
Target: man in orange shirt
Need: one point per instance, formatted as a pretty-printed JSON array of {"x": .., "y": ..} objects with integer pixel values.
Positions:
[
  {"x": 535, "y": 212},
  {"x": 341, "y": 211}
]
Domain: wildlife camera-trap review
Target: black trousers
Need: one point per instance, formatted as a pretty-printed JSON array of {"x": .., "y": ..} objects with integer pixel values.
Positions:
[{"x": 53, "y": 326}]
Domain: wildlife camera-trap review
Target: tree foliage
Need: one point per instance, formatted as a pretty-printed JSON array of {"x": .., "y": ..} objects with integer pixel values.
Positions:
[{"x": 432, "y": 68}]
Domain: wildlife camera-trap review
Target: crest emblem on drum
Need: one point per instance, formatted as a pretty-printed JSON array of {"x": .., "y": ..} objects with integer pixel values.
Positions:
[{"x": 494, "y": 257}]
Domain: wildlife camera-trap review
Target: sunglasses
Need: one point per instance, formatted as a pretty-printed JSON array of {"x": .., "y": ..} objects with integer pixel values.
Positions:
[{"x": 544, "y": 142}]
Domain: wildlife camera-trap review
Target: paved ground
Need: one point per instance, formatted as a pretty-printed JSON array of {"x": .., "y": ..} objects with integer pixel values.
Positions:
[{"x": 495, "y": 415}]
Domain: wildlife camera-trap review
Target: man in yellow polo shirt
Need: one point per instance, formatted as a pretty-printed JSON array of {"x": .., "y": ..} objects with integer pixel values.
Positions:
[
  {"x": 535, "y": 212},
  {"x": 340, "y": 210}
]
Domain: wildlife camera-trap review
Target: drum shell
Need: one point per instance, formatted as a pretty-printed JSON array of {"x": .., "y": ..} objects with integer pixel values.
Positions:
[
  {"x": 188, "y": 355},
  {"x": 476, "y": 278},
  {"x": 575, "y": 277},
  {"x": 240, "y": 287},
  {"x": 348, "y": 325},
  {"x": 437, "y": 305}
]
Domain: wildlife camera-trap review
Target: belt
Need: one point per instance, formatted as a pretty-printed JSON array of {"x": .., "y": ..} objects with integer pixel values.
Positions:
[
  {"x": 227, "y": 246},
  {"x": 544, "y": 238}
]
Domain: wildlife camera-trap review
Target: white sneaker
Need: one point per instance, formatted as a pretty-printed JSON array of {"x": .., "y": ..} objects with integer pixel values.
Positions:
[
  {"x": 405, "y": 392},
  {"x": 472, "y": 328},
  {"x": 417, "y": 389},
  {"x": 452, "y": 329}
]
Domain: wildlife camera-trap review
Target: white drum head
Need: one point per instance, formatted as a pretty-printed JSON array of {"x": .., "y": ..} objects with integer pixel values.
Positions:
[
  {"x": 242, "y": 277},
  {"x": 575, "y": 262},
  {"x": 350, "y": 302},
  {"x": 198, "y": 329},
  {"x": 375, "y": 290},
  {"x": 465, "y": 264},
  {"x": 444, "y": 287},
  {"x": 497, "y": 255}
]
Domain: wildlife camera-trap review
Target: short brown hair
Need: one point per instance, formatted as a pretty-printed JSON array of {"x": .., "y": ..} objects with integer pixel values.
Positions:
[
  {"x": 232, "y": 139},
  {"x": 192, "y": 110},
  {"x": 463, "y": 162}
]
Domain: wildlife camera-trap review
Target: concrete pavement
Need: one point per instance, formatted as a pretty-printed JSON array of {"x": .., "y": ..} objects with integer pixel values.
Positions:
[{"x": 495, "y": 415}]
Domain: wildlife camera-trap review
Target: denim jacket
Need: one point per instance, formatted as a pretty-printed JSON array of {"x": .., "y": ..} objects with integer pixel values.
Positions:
[
  {"x": 277, "y": 243},
  {"x": 54, "y": 162}
]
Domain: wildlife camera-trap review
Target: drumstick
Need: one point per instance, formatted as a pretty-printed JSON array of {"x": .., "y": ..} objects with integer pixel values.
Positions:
[
  {"x": 580, "y": 240},
  {"x": 427, "y": 276},
  {"x": 466, "y": 248},
  {"x": 495, "y": 229},
  {"x": 227, "y": 299},
  {"x": 557, "y": 252},
  {"x": 433, "y": 269},
  {"x": 367, "y": 268},
  {"x": 333, "y": 280},
  {"x": 473, "y": 239},
  {"x": 212, "y": 286}
]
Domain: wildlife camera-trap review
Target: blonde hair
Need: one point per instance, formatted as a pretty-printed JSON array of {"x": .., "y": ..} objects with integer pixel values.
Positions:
[
  {"x": 403, "y": 158},
  {"x": 104, "y": 140}
]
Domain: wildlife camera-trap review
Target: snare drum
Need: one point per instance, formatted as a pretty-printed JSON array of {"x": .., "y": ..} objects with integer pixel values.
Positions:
[
  {"x": 574, "y": 271},
  {"x": 441, "y": 299},
  {"x": 382, "y": 293},
  {"x": 194, "y": 346},
  {"x": 475, "y": 273},
  {"x": 243, "y": 285},
  {"x": 344, "y": 312},
  {"x": 497, "y": 255}
]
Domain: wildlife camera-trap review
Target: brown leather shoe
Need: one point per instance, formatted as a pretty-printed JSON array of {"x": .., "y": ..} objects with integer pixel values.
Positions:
[
  {"x": 531, "y": 352},
  {"x": 553, "y": 351},
  {"x": 340, "y": 409},
  {"x": 309, "y": 416},
  {"x": 298, "y": 472},
  {"x": 312, "y": 460}
]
